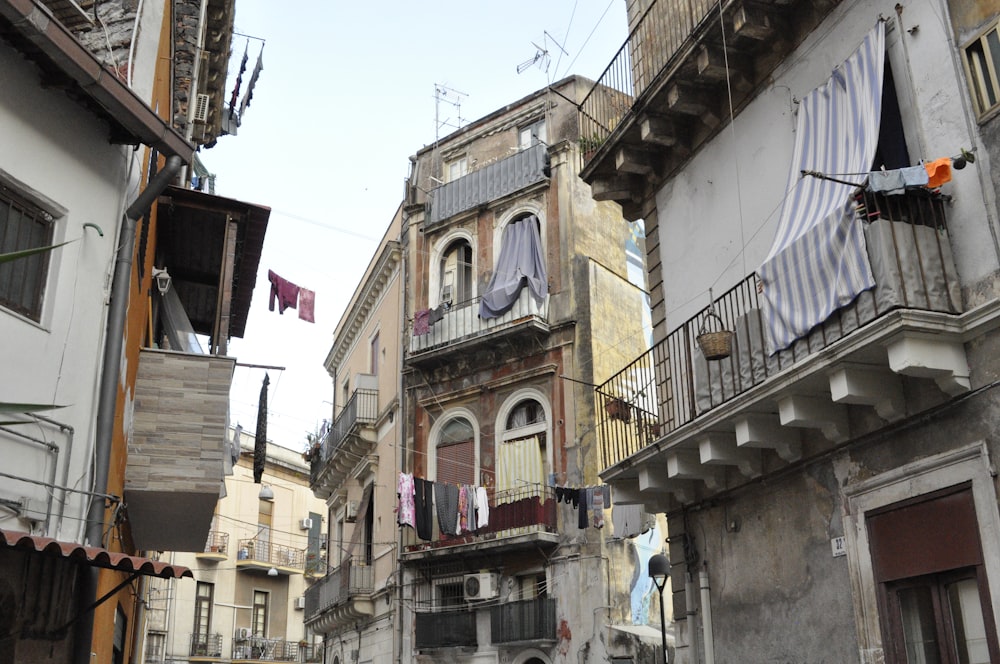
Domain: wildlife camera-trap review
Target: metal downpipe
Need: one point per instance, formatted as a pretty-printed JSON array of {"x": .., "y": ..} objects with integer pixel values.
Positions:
[{"x": 108, "y": 391}]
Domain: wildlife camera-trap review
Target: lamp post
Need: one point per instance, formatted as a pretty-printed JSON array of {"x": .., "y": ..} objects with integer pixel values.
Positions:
[{"x": 659, "y": 572}]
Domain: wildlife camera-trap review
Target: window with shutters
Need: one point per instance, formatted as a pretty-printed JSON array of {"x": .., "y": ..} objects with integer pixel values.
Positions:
[
  {"x": 455, "y": 452},
  {"x": 928, "y": 563},
  {"x": 522, "y": 455},
  {"x": 982, "y": 62},
  {"x": 23, "y": 226}
]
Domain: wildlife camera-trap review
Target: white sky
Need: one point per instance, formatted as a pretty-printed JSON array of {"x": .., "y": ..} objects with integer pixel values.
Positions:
[{"x": 345, "y": 97}]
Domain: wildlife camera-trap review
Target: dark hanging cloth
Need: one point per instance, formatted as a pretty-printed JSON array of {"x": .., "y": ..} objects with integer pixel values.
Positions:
[
  {"x": 423, "y": 503},
  {"x": 257, "y": 69},
  {"x": 260, "y": 442},
  {"x": 584, "y": 499},
  {"x": 239, "y": 80},
  {"x": 446, "y": 501},
  {"x": 520, "y": 264}
]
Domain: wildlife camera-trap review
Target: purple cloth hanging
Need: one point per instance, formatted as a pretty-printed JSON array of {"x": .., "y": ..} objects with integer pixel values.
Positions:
[{"x": 521, "y": 263}]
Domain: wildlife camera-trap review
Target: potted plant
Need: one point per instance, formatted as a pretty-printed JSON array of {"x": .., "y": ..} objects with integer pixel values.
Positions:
[{"x": 618, "y": 409}]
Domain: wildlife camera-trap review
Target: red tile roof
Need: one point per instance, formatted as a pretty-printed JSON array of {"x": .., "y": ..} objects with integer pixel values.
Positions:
[{"x": 91, "y": 555}]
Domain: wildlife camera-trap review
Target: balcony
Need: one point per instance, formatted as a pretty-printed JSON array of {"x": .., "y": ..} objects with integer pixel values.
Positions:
[
  {"x": 261, "y": 556},
  {"x": 529, "y": 621},
  {"x": 174, "y": 469},
  {"x": 463, "y": 330},
  {"x": 216, "y": 548},
  {"x": 352, "y": 437},
  {"x": 523, "y": 518},
  {"x": 341, "y": 597},
  {"x": 262, "y": 649},
  {"x": 205, "y": 647},
  {"x": 675, "y": 423},
  {"x": 490, "y": 183},
  {"x": 666, "y": 91},
  {"x": 446, "y": 629}
]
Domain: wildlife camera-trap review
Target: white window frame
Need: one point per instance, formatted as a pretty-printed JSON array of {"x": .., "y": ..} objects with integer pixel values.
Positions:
[
  {"x": 978, "y": 77},
  {"x": 437, "y": 255},
  {"x": 532, "y": 134},
  {"x": 434, "y": 437},
  {"x": 966, "y": 464},
  {"x": 456, "y": 168}
]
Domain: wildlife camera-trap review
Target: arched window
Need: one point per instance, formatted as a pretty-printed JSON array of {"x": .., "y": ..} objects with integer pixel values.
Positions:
[
  {"x": 456, "y": 273},
  {"x": 522, "y": 457},
  {"x": 520, "y": 263},
  {"x": 455, "y": 453}
]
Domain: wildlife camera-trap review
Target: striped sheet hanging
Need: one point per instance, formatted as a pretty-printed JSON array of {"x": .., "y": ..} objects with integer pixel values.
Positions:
[
  {"x": 520, "y": 468},
  {"x": 818, "y": 261}
]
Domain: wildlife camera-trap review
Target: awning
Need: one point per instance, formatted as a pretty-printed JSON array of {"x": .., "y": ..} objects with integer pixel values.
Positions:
[
  {"x": 91, "y": 555},
  {"x": 647, "y": 633},
  {"x": 818, "y": 261}
]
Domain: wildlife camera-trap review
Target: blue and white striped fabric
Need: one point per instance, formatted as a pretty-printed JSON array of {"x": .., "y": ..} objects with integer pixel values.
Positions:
[{"x": 818, "y": 261}]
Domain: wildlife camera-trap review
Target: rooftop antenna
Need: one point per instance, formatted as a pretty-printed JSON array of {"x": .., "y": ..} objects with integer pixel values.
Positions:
[
  {"x": 442, "y": 93},
  {"x": 541, "y": 57}
]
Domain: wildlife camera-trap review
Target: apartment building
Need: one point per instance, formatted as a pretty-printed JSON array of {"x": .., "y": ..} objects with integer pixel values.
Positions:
[
  {"x": 817, "y": 184},
  {"x": 114, "y": 428}
]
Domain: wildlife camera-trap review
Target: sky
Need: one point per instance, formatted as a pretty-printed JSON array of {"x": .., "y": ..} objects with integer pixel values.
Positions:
[{"x": 346, "y": 95}]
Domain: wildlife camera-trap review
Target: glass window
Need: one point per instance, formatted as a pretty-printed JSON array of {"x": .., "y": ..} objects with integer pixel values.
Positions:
[
  {"x": 532, "y": 135},
  {"x": 259, "y": 616},
  {"x": 457, "y": 168},
  {"x": 983, "y": 61},
  {"x": 456, "y": 273},
  {"x": 203, "y": 612},
  {"x": 22, "y": 281}
]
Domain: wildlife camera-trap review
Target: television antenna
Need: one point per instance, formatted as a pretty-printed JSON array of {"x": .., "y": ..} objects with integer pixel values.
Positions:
[
  {"x": 541, "y": 57},
  {"x": 442, "y": 93}
]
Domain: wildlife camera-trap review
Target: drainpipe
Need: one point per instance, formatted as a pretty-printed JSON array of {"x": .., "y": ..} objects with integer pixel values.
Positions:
[
  {"x": 706, "y": 618},
  {"x": 108, "y": 390}
]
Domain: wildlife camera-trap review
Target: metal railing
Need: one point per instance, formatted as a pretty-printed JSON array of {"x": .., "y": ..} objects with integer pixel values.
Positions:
[
  {"x": 361, "y": 408},
  {"x": 353, "y": 577},
  {"x": 462, "y": 322},
  {"x": 206, "y": 645},
  {"x": 260, "y": 648},
  {"x": 217, "y": 542},
  {"x": 445, "y": 629},
  {"x": 672, "y": 383},
  {"x": 276, "y": 554},
  {"x": 652, "y": 44},
  {"x": 526, "y": 620},
  {"x": 530, "y": 508}
]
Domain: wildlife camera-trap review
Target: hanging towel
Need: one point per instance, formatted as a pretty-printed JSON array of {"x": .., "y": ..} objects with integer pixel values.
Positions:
[
  {"x": 284, "y": 291},
  {"x": 914, "y": 176},
  {"x": 307, "y": 304},
  {"x": 627, "y": 520},
  {"x": 462, "y": 524},
  {"x": 888, "y": 182},
  {"x": 482, "y": 507},
  {"x": 421, "y": 322},
  {"x": 938, "y": 172},
  {"x": 424, "y": 503},
  {"x": 406, "y": 514},
  {"x": 470, "y": 506}
]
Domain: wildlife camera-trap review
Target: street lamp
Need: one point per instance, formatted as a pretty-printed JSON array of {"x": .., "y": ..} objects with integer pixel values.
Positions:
[{"x": 659, "y": 572}]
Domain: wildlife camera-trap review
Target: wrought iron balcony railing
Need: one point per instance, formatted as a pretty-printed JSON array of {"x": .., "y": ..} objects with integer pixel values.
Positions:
[
  {"x": 360, "y": 409},
  {"x": 672, "y": 384},
  {"x": 206, "y": 645},
  {"x": 278, "y": 555},
  {"x": 217, "y": 542},
  {"x": 526, "y": 620},
  {"x": 445, "y": 629},
  {"x": 259, "y": 648},
  {"x": 353, "y": 577},
  {"x": 462, "y": 322}
]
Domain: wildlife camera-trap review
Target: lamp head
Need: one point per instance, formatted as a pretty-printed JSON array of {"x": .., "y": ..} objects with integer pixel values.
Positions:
[
  {"x": 273, "y": 571},
  {"x": 659, "y": 570},
  {"x": 162, "y": 279},
  {"x": 266, "y": 492}
]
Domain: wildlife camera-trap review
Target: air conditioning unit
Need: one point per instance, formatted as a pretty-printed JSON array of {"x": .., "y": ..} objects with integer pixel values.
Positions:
[
  {"x": 300, "y": 602},
  {"x": 484, "y": 585},
  {"x": 242, "y": 633},
  {"x": 351, "y": 511},
  {"x": 201, "y": 108},
  {"x": 306, "y": 523}
]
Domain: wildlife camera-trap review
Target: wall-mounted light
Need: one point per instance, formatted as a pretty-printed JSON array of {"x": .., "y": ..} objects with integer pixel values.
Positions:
[
  {"x": 659, "y": 572},
  {"x": 266, "y": 492},
  {"x": 162, "y": 280},
  {"x": 273, "y": 571}
]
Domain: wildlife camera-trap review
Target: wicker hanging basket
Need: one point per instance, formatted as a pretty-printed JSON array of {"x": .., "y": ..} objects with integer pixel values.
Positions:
[{"x": 714, "y": 344}]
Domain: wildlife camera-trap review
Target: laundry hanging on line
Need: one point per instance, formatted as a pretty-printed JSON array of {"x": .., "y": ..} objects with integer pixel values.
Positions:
[{"x": 290, "y": 296}]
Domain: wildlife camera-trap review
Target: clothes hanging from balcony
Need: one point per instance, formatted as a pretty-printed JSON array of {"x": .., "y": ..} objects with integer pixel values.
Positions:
[
  {"x": 894, "y": 182},
  {"x": 406, "y": 511},
  {"x": 423, "y": 499},
  {"x": 438, "y": 312},
  {"x": 260, "y": 439},
  {"x": 520, "y": 263},
  {"x": 307, "y": 305},
  {"x": 463, "y": 505},
  {"x": 817, "y": 262},
  {"x": 597, "y": 506},
  {"x": 583, "y": 501},
  {"x": 422, "y": 322},
  {"x": 629, "y": 521},
  {"x": 938, "y": 172},
  {"x": 482, "y": 508},
  {"x": 446, "y": 502},
  {"x": 284, "y": 291}
]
